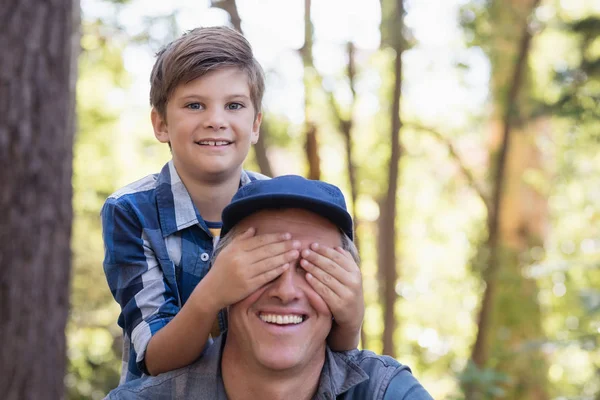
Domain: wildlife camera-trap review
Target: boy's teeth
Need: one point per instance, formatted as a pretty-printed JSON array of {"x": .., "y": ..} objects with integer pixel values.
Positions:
[
  {"x": 281, "y": 319},
  {"x": 214, "y": 142}
]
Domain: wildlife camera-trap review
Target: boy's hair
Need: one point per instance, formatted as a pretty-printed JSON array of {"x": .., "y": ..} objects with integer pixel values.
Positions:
[{"x": 198, "y": 52}]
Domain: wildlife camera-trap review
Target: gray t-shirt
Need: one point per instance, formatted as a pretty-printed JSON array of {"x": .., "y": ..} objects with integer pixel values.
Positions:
[{"x": 349, "y": 375}]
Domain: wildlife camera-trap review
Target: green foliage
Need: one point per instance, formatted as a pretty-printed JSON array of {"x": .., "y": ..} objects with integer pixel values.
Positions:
[
  {"x": 579, "y": 83},
  {"x": 588, "y": 27},
  {"x": 486, "y": 383}
]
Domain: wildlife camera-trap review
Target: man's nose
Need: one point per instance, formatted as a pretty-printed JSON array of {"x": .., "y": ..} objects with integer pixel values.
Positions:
[
  {"x": 215, "y": 118},
  {"x": 285, "y": 287}
]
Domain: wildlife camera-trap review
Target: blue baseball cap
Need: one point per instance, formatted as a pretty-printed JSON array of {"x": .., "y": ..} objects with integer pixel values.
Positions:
[{"x": 288, "y": 191}]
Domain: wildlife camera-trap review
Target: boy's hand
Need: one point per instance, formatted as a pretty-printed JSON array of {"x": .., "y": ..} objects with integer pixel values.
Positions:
[
  {"x": 337, "y": 279},
  {"x": 249, "y": 262}
]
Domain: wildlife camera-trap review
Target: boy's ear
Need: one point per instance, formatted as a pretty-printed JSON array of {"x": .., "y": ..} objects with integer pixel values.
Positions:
[
  {"x": 256, "y": 128},
  {"x": 160, "y": 126}
]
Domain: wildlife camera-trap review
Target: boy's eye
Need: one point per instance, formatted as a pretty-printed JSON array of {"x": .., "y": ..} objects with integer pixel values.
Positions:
[
  {"x": 235, "y": 106},
  {"x": 193, "y": 106}
]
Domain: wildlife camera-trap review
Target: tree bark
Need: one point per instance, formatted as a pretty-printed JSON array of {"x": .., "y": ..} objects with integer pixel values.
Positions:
[
  {"x": 260, "y": 148},
  {"x": 388, "y": 204},
  {"x": 37, "y": 80},
  {"x": 311, "y": 146}
]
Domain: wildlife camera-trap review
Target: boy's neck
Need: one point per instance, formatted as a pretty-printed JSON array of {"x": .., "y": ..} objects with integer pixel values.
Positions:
[{"x": 211, "y": 196}]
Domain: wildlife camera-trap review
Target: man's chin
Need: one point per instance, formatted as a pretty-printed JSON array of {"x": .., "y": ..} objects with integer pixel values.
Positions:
[{"x": 280, "y": 362}]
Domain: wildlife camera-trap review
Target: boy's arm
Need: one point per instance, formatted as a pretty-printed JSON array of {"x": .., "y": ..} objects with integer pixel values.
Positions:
[
  {"x": 243, "y": 266},
  {"x": 343, "y": 339},
  {"x": 182, "y": 340},
  {"x": 136, "y": 280},
  {"x": 148, "y": 303}
]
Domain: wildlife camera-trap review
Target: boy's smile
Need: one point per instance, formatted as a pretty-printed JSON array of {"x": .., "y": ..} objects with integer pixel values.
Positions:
[{"x": 210, "y": 124}]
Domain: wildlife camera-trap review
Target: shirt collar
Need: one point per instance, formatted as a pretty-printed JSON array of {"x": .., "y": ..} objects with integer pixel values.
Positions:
[
  {"x": 175, "y": 206},
  {"x": 339, "y": 374}
]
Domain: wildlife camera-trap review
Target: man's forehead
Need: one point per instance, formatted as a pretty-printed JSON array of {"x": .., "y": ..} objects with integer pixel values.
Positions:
[{"x": 296, "y": 221}]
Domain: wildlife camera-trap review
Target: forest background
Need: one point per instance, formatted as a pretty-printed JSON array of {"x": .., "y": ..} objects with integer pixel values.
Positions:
[{"x": 465, "y": 136}]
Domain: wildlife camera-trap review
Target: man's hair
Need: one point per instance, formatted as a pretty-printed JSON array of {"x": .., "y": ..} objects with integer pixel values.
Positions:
[
  {"x": 347, "y": 244},
  {"x": 195, "y": 54}
]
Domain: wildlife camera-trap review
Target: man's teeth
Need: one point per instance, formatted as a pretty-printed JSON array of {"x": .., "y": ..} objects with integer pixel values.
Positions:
[
  {"x": 281, "y": 319},
  {"x": 214, "y": 142}
]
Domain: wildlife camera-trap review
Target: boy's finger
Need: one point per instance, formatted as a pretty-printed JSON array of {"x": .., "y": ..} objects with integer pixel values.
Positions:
[
  {"x": 248, "y": 233},
  {"x": 264, "y": 240},
  {"x": 336, "y": 287},
  {"x": 266, "y": 277},
  {"x": 326, "y": 293},
  {"x": 273, "y": 262},
  {"x": 345, "y": 253},
  {"x": 327, "y": 265},
  {"x": 272, "y": 250},
  {"x": 337, "y": 257}
]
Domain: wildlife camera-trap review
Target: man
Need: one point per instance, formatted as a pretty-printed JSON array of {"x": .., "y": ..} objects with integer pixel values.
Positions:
[{"x": 275, "y": 345}]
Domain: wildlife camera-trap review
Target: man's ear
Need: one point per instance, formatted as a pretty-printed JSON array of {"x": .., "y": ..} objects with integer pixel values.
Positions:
[
  {"x": 160, "y": 126},
  {"x": 256, "y": 128}
]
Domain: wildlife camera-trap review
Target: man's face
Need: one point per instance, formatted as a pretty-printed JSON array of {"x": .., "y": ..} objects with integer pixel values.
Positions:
[{"x": 284, "y": 324}]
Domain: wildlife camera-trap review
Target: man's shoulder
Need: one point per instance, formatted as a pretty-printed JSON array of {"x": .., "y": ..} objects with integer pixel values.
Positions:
[
  {"x": 147, "y": 387},
  {"x": 367, "y": 357},
  {"x": 200, "y": 379},
  {"x": 388, "y": 378}
]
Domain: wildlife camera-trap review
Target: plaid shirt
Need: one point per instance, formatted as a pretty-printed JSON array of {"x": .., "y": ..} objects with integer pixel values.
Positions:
[{"x": 157, "y": 249}]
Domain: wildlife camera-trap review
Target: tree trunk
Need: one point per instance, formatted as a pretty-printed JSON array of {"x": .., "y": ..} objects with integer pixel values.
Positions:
[
  {"x": 39, "y": 40},
  {"x": 260, "y": 151},
  {"x": 346, "y": 129},
  {"x": 311, "y": 146},
  {"x": 509, "y": 319},
  {"x": 260, "y": 148},
  {"x": 387, "y": 217},
  {"x": 345, "y": 126}
]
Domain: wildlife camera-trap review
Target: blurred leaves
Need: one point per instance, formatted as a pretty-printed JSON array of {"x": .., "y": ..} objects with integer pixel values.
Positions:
[{"x": 487, "y": 383}]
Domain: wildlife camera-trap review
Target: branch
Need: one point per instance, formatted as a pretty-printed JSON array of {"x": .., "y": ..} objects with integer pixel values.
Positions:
[
  {"x": 230, "y": 7},
  {"x": 473, "y": 182},
  {"x": 344, "y": 124}
]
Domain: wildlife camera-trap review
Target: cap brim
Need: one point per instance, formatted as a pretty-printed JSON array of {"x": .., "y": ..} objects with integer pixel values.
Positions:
[{"x": 238, "y": 210}]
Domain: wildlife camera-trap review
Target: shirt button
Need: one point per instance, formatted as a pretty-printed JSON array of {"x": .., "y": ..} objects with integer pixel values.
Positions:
[{"x": 204, "y": 256}]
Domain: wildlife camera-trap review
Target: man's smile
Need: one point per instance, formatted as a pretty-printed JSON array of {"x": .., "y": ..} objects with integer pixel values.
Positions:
[{"x": 282, "y": 319}]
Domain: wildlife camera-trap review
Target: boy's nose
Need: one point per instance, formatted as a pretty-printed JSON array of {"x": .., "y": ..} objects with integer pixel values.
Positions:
[{"x": 215, "y": 119}]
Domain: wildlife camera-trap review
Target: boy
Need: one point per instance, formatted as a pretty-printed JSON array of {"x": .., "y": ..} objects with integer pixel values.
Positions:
[{"x": 159, "y": 232}]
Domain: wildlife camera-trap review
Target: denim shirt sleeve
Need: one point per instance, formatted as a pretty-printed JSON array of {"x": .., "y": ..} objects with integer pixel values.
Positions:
[
  {"x": 135, "y": 276},
  {"x": 404, "y": 386}
]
